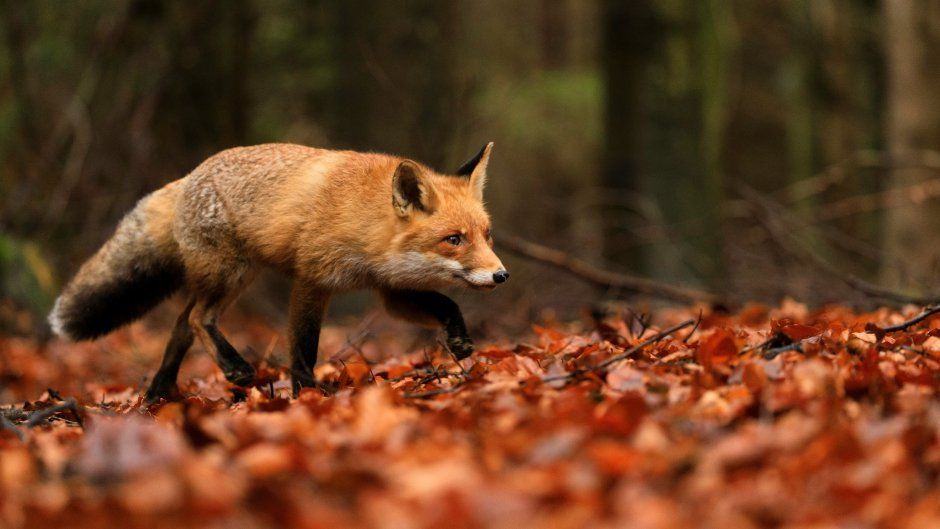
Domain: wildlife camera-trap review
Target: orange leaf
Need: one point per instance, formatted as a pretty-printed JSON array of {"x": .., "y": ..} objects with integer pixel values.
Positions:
[
  {"x": 718, "y": 347},
  {"x": 798, "y": 331}
]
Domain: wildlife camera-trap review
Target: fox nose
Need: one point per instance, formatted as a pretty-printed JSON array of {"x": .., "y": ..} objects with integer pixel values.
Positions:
[{"x": 500, "y": 276}]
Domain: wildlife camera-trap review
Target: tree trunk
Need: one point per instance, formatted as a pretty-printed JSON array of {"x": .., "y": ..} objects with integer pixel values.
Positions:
[
  {"x": 912, "y": 40},
  {"x": 630, "y": 32}
]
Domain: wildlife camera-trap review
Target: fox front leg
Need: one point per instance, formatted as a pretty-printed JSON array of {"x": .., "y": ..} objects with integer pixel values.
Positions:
[
  {"x": 434, "y": 309},
  {"x": 307, "y": 308}
]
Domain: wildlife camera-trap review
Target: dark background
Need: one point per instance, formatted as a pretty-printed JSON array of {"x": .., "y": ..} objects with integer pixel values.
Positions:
[{"x": 753, "y": 149}]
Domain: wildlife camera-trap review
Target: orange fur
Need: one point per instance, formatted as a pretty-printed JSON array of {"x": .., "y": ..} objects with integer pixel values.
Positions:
[
  {"x": 325, "y": 216},
  {"x": 334, "y": 220}
]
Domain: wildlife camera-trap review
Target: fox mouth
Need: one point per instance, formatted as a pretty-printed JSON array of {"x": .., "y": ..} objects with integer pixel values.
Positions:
[{"x": 475, "y": 286}]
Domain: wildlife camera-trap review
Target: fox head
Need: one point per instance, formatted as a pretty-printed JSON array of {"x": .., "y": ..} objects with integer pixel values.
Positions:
[{"x": 444, "y": 236}]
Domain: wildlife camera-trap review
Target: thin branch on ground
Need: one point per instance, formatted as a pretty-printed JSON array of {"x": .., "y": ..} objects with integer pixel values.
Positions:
[
  {"x": 903, "y": 326},
  {"x": 7, "y": 424},
  {"x": 37, "y": 417},
  {"x": 462, "y": 379},
  {"x": 69, "y": 404},
  {"x": 622, "y": 356},
  {"x": 454, "y": 357},
  {"x": 698, "y": 321},
  {"x": 357, "y": 338},
  {"x": 600, "y": 277},
  {"x": 770, "y": 354}
]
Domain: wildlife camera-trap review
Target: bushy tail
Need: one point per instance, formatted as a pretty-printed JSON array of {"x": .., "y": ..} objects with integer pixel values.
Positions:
[{"x": 135, "y": 270}]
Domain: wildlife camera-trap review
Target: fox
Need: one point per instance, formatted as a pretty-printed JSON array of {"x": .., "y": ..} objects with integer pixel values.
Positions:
[{"x": 332, "y": 220}]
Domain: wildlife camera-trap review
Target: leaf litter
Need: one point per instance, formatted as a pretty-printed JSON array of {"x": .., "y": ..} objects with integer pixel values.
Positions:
[{"x": 769, "y": 417}]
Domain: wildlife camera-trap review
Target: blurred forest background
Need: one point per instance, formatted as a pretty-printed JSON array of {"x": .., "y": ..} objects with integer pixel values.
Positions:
[{"x": 750, "y": 149}]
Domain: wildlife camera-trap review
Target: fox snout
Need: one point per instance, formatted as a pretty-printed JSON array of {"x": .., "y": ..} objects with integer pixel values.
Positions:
[{"x": 486, "y": 278}]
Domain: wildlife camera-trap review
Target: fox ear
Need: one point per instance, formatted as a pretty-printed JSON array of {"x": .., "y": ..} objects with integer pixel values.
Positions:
[
  {"x": 411, "y": 190},
  {"x": 475, "y": 169}
]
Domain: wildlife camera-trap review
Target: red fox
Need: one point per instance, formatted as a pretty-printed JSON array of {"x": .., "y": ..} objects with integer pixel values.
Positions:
[{"x": 333, "y": 220}]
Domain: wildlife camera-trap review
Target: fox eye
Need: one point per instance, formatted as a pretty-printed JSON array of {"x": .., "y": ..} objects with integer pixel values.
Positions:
[{"x": 454, "y": 240}]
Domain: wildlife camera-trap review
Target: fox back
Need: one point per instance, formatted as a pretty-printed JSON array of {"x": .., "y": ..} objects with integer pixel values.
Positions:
[{"x": 338, "y": 219}]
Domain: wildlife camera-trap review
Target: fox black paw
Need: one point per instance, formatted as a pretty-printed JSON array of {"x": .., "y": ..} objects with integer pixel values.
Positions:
[
  {"x": 240, "y": 376},
  {"x": 461, "y": 346},
  {"x": 302, "y": 379},
  {"x": 165, "y": 393}
]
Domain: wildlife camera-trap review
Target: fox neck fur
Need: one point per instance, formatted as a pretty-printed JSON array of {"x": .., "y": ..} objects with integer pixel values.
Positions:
[{"x": 332, "y": 217}]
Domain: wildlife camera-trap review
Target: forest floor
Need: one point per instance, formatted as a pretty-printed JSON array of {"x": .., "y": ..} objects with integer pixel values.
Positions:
[{"x": 770, "y": 417}]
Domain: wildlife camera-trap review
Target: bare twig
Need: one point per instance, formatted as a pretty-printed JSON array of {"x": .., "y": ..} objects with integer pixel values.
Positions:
[
  {"x": 462, "y": 378},
  {"x": 366, "y": 362},
  {"x": 798, "y": 345},
  {"x": 7, "y": 424},
  {"x": 761, "y": 345},
  {"x": 36, "y": 417},
  {"x": 622, "y": 356},
  {"x": 40, "y": 416},
  {"x": 903, "y": 326},
  {"x": 599, "y": 277},
  {"x": 354, "y": 340},
  {"x": 770, "y": 354},
  {"x": 636, "y": 348},
  {"x": 454, "y": 356},
  {"x": 698, "y": 321},
  {"x": 643, "y": 320},
  {"x": 862, "y": 159},
  {"x": 768, "y": 215}
]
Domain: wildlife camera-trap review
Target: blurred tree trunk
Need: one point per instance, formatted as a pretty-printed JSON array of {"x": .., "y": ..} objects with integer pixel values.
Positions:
[
  {"x": 631, "y": 31},
  {"x": 396, "y": 86},
  {"x": 665, "y": 136},
  {"x": 847, "y": 69},
  {"x": 24, "y": 144},
  {"x": 912, "y": 40},
  {"x": 718, "y": 44},
  {"x": 555, "y": 34},
  {"x": 797, "y": 94},
  {"x": 242, "y": 27}
]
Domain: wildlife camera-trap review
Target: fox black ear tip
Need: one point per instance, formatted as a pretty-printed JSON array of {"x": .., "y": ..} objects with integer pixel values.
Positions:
[{"x": 467, "y": 168}]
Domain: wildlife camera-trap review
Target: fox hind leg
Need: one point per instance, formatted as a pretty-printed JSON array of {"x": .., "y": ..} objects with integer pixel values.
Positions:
[
  {"x": 212, "y": 298},
  {"x": 163, "y": 385},
  {"x": 204, "y": 322}
]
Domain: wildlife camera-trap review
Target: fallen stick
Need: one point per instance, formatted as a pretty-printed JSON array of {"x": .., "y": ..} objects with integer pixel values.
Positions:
[
  {"x": 462, "y": 378},
  {"x": 767, "y": 215},
  {"x": 7, "y": 424},
  {"x": 770, "y": 354},
  {"x": 903, "y": 326},
  {"x": 622, "y": 356},
  {"x": 36, "y": 417},
  {"x": 600, "y": 277},
  {"x": 39, "y": 416}
]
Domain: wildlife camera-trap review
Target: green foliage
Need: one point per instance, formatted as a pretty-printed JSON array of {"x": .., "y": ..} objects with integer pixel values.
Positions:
[
  {"x": 550, "y": 109},
  {"x": 25, "y": 276}
]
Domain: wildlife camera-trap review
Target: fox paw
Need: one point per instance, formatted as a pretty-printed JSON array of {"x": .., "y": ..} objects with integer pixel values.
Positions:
[
  {"x": 241, "y": 375},
  {"x": 461, "y": 346},
  {"x": 167, "y": 393},
  {"x": 302, "y": 379}
]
